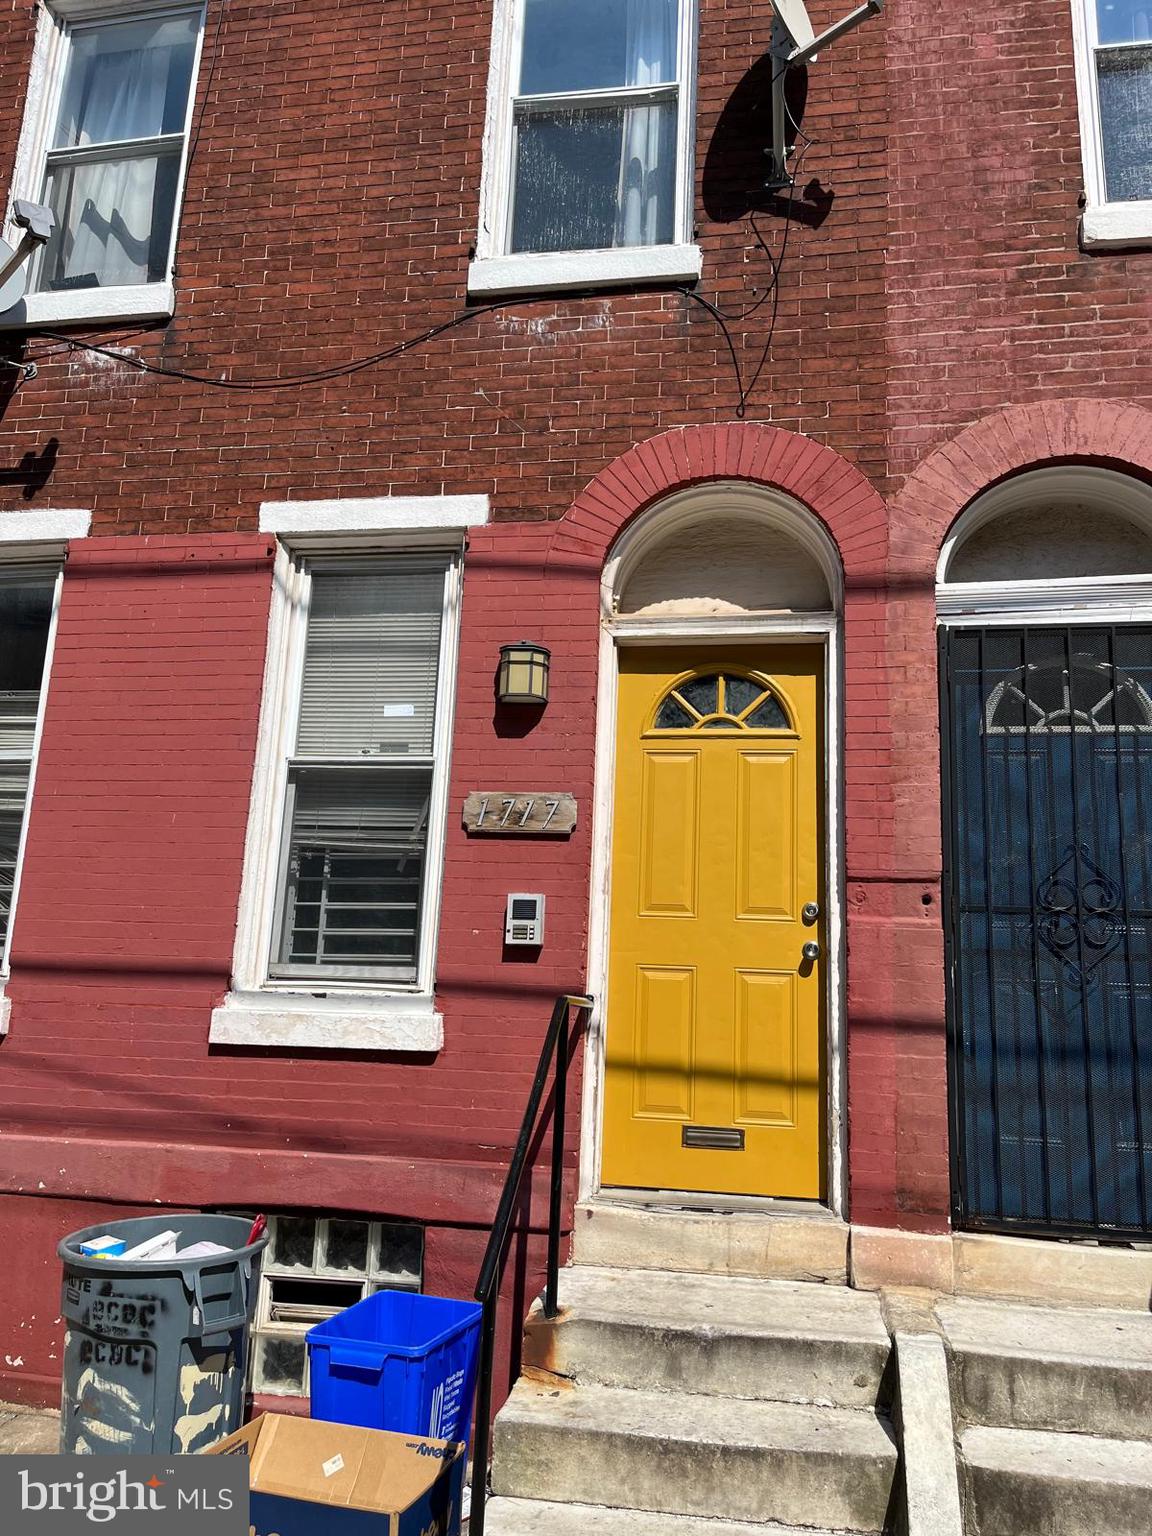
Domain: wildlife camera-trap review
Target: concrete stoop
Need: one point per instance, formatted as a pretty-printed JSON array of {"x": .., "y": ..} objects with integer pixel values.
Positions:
[
  {"x": 1027, "y": 1482},
  {"x": 1057, "y": 1368},
  {"x": 713, "y": 1375},
  {"x": 697, "y": 1405},
  {"x": 1054, "y": 1412},
  {"x": 683, "y": 1454},
  {"x": 534, "y": 1517},
  {"x": 729, "y": 1337}
]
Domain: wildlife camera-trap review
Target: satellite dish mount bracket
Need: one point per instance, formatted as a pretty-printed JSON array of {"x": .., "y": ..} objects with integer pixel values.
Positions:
[{"x": 795, "y": 42}]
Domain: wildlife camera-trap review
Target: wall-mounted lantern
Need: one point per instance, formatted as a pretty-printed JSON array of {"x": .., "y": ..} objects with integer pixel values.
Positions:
[{"x": 523, "y": 675}]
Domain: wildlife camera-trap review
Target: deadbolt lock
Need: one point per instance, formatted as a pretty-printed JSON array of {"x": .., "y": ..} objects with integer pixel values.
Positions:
[
  {"x": 810, "y": 911},
  {"x": 811, "y": 951}
]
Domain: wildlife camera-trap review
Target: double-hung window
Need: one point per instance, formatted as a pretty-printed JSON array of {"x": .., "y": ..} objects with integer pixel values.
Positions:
[
  {"x": 362, "y": 772},
  {"x": 27, "y": 600},
  {"x": 590, "y": 129},
  {"x": 1114, "y": 75},
  {"x": 105, "y": 145}
]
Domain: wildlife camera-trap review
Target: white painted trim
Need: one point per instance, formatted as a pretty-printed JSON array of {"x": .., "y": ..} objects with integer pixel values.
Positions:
[
  {"x": 559, "y": 271},
  {"x": 1058, "y": 600},
  {"x": 52, "y": 525},
  {"x": 56, "y": 570},
  {"x": 1104, "y": 225},
  {"x": 5, "y": 1011},
  {"x": 375, "y": 1026},
  {"x": 374, "y": 514},
  {"x": 1116, "y": 598},
  {"x": 1120, "y": 493},
  {"x": 641, "y": 629},
  {"x": 775, "y": 509},
  {"x": 40, "y": 98},
  {"x": 258, "y": 899},
  {"x": 141, "y": 301},
  {"x": 819, "y": 628},
  {"x": 1116, "y": 226},
  {"x": 496, "y": 175},
  {"x": 256, "y": 909},
  {"x": 1087, "y": 100}
]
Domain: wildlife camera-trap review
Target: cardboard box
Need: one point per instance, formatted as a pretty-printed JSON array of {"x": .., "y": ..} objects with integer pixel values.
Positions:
[{"x": 312, "y": 1478}]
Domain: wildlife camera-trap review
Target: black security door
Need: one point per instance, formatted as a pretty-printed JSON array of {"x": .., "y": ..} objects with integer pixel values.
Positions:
[{"x": 1048, "y": 823}]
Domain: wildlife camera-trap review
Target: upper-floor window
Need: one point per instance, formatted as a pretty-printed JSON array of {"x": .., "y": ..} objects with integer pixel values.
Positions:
[
  {"x": 1114, "y": 68},
  {"x": 589, "y": 129},
  {"x": 105, "y": 146}
]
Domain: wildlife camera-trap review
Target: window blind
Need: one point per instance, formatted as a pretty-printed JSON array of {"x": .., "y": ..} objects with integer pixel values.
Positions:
[
  {"x": 352, "y": 810},
  {"x": 370, "y": 663},
  {"x": 25, "y": 618},
  {"x": 18, "y": 722},
  {"x": 355, "y": 867},
  {"x": 13, "y": 792}
]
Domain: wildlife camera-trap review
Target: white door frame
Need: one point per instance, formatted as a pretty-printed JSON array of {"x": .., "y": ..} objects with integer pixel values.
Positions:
[{"x": 823, "y": 629}]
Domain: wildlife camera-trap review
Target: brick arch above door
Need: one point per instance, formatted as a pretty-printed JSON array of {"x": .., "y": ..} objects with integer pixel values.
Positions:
[
  {"x": 1109, "y": 433},
  {"x": 828, "y": 485}
]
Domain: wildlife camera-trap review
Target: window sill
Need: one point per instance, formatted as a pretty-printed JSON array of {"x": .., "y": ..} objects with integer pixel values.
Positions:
[
  {"x": 1115, "y": 226},
  {"x": 141, "y": 301},
  {"x": 357, "y": 1022},
  {"x": 559, "y": 270}
]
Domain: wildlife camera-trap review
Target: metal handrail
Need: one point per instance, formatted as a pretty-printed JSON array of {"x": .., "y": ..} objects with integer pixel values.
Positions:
[{"x": 556, "y": 1044}]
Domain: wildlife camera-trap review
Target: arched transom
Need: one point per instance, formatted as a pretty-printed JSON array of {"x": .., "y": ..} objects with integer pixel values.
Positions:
[{"x": 721, "y": 701}]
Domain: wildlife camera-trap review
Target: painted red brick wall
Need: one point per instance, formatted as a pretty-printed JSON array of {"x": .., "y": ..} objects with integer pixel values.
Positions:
[
  {"x": 127, "y": 913},
  {"x": 930, "y": 278}
]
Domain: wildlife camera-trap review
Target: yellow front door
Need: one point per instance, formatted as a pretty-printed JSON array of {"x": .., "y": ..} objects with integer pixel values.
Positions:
[{"x": 714, "y": 1059}]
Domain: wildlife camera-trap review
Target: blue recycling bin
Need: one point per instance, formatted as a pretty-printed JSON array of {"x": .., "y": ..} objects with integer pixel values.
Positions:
[{"x": 398, "y": 1361}]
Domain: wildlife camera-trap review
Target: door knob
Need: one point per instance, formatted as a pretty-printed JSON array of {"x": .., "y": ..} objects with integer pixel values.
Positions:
[
  {"x": 811, "y": 951},
  {"x": 810, "y": 911}
]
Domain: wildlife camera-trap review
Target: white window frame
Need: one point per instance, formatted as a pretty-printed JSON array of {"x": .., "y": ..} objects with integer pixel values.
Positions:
[
  {"x": 1104, "y": 225},
  {"x": 496, "y": 269},
  {"x": 58, "y": 19},
  {"x": 326, "y": 1012},
  {"x": 46, "y": 570}
]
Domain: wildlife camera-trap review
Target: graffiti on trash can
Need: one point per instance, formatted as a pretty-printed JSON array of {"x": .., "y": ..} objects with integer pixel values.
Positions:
[
  {"x": 121, "y": 1315},
  {"x": 99, "y": 1306},
  {"x": 112, "y": 1413},
  {"x": 132, "y": 1356},
  {"x": 203, "y": 1401}
]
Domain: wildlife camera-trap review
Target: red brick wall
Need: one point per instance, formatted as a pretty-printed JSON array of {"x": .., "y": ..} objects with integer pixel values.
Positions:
[
  {"x": 127, "y": 913},
  {"x": 329, "y": 213},
  {"x": 931, "y": 277},
  {"x": 989, "y": 301},
  {"x": 127, "y": 907}
]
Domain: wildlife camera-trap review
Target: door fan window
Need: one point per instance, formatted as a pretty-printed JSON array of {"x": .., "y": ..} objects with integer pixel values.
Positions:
[
  {"x": 1083, "y": 695},
  {"x": 721, "y": 701}
]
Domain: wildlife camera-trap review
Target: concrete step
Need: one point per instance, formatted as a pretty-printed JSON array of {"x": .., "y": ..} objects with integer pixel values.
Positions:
[
  {"x": 1058, "y": 1368},
  {"x": 688, "y": 1454},
  {"x": 724, "y": 1335},
  {"x": 1024, "y": 1482},
  {"x": 531, "y": 1517},
  {"x": 798, "y": 1245}
]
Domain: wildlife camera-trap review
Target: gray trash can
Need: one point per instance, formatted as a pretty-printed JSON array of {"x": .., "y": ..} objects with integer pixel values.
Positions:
[{"x": 154, "y": 1352}]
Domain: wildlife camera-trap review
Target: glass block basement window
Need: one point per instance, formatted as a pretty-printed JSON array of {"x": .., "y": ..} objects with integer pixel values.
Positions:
[{"x": 314, "y": 1267}]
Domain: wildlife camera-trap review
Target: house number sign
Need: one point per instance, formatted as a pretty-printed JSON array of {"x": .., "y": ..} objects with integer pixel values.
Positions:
[{"x": 537, "y": 813}]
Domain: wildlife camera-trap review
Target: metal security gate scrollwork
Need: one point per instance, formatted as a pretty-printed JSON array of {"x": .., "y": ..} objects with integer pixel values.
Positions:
[{"x": 1048, "y": 823}]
